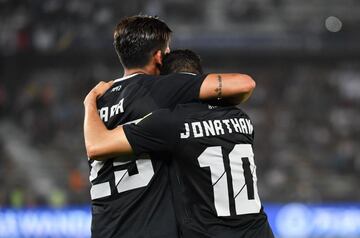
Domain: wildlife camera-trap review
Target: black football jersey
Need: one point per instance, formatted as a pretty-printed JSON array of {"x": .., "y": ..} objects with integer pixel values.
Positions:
[
  {"x": 134, "y": 199},
  {"x": 212, "y": 153}
]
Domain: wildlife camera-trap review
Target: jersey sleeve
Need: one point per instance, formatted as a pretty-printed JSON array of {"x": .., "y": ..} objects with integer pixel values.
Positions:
[
  {"x": 155, "y": 132},
  {"x": 177, "y": 88}
]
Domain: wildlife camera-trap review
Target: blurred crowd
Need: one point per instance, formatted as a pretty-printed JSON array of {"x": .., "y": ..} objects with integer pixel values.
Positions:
[
  {"x": 306, "y": 118},
  {"x": 62, "y": 25},
  {"x": 306, "y": 113},
  {"x": 53, "y": 25}
]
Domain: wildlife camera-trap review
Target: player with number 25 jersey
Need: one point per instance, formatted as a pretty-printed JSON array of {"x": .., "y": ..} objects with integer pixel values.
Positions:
[{"x": 133, "y": 199}]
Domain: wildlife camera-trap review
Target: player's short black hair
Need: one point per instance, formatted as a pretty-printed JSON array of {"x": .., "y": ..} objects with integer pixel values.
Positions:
[
  {"x": 137, "y": 38},
  {"x": 181, "y": 61}
]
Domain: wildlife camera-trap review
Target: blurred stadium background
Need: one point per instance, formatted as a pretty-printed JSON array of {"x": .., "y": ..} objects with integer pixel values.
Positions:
[{"x": 304, "y": 56}]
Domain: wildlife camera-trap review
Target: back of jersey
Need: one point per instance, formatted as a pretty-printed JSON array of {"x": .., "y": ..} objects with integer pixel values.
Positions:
[
  {"x": 133, "y": 199},
  {"x": 215, "y": 164},
  {"x": 212, "y": 152}
]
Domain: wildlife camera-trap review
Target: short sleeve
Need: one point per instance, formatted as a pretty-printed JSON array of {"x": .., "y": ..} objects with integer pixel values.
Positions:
[
  {"x": 155, "y": 132},
  {"x": 177, "y": 88}
]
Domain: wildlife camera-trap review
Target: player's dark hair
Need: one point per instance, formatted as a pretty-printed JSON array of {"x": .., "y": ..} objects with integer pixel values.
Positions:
[
  {"x": 137, "y": 38},
  {"x": 181, "y": 61}
]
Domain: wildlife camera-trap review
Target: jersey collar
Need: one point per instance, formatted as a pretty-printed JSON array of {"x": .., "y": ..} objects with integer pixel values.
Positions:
[
  {"x": 187, "y": 73},
  {"x": 126, "y": 77}
]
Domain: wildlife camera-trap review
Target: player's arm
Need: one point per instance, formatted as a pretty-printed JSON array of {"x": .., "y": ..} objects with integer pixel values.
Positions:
[
  {"x": 155, "y": 132},
  {"x": 100, "y": 142},
  {"x": 183, "y": 88},
  {"x": 232, "y": 88}
]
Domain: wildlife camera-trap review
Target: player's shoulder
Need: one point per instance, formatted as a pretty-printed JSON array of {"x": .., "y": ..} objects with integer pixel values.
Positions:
[
  {"x": 131, "y": 82},
  {"x": 168, "y": 116},
  {"x": 136, "y": 79},
  {"x": 194, "y": 106},
  {"x": 241, "y": 111},
  {"x": 159, "y": 115},
  {"x": 162, "y": 121},
  {"x": 202, "y": 109},
  {"x": 190, "y": 110},
  {"x": 232, "y": 110}
]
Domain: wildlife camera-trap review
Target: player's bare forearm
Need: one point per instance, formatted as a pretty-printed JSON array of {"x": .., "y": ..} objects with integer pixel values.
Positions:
[
  {"x": 231, "y": 88},
  {"x": 100, "y": 142}
]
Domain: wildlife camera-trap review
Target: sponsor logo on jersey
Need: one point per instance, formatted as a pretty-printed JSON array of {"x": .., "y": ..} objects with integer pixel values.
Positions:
[
  {"x": 116, "y": 89},
  {"x": 212, "y": 107}
]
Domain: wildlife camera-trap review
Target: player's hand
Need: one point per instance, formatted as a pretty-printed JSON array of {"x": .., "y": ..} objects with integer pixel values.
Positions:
[
  {"x": 101, "y": 88},
  {"x": 98, "y": 91}
]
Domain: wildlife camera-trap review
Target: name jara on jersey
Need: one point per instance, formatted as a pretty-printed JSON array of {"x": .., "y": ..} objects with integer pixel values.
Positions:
[
  {"x": 217, "y": 127},
  {"x": 107, "y": 112}
]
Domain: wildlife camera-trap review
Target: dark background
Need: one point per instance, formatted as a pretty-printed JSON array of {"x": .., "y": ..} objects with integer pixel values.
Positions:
[{"x": 304, "y": 56}]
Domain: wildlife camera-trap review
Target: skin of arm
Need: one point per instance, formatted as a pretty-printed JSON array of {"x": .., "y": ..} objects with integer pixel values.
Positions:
[
  {"x": 234, "y": 88},
  {"x": 100, "y": 142}
]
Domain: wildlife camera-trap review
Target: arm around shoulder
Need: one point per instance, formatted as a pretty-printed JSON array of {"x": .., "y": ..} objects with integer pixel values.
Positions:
[
  {"x": 100, "y": 142},
  {"x": 107, "y": 144},
  {"x": 233, "y": 88}
]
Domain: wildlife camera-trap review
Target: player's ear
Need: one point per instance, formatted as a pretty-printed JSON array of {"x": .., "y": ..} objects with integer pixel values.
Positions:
[{"x": 158, "y": 57}]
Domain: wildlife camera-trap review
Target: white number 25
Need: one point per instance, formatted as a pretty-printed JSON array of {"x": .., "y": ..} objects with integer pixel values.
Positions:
[{"x": 124, "y": 181}]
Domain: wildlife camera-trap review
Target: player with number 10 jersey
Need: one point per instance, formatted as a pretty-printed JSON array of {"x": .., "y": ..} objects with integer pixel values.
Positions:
[{"x": 212, "y": 151}]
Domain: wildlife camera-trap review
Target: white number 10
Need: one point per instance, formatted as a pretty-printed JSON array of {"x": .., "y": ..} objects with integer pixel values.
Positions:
[{"x": 243, "y": 174}]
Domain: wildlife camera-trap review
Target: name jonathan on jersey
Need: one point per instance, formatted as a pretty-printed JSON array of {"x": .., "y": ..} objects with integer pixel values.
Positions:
[
  {"x": 217, "y": 127},
  {"x": 107, "y": 112}
]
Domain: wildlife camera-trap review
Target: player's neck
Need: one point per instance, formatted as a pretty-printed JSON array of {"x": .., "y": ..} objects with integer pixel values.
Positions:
[{"x": 145, "y": 70}]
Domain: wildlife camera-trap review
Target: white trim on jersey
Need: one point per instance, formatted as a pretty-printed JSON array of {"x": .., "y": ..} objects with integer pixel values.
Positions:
[
  {"x": 126, "y": 77},
  {"x": 137, "y": 120},
  {"x": 187, "y": 73}
]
